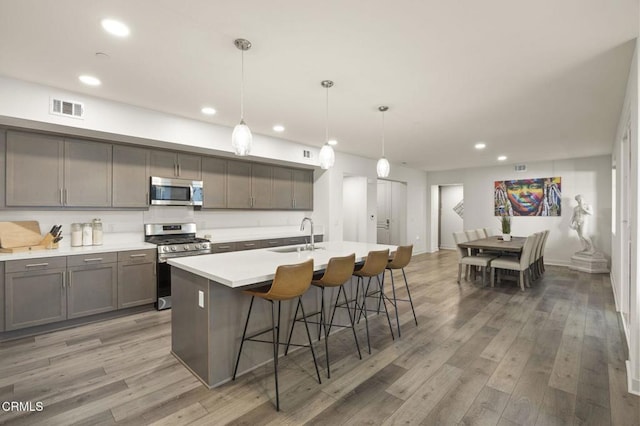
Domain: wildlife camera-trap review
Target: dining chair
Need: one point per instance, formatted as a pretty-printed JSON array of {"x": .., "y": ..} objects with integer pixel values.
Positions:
[
  {"x": 488, "y": 232},
  {"x": 472, "y": 234},
  {"x": 544, "y": 245},
  {"x": 464, "y": 258},
  {"x": 482, "y": 232},
  {"x": 513, "y": 264}
]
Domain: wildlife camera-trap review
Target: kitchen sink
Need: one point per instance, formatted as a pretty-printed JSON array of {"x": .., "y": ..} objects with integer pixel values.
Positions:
[{"x": 293, "y": 249}]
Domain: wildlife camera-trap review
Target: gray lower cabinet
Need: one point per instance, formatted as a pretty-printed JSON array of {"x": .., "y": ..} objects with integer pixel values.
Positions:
[
  {"x": 1, "y": 296},
  {"x": 172, "y": 164},
  {"x": 35, "y": 292},
  {"x": 223, "y": 247},
  {"x": 136, "y": 278},
  {"x": 92, "y": 284},
  {"x": 130, "y": 176}
]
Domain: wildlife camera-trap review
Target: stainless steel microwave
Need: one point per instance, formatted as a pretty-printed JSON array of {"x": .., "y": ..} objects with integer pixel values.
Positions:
[{"x": 175, "y": 192}]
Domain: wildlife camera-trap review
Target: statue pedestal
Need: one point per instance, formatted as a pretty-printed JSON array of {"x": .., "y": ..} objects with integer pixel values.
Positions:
[{"x": 594, "y": 263}]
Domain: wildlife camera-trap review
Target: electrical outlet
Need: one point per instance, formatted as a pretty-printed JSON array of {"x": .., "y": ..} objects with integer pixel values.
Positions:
[{"x": 201, "y": 298}]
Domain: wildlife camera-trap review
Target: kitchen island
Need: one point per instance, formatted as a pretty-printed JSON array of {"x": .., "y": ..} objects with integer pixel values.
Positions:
[{"x": 209, "y": 308}]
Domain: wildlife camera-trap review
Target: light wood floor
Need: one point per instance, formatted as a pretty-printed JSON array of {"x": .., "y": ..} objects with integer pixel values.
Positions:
[{"x": 551, "y": 355}]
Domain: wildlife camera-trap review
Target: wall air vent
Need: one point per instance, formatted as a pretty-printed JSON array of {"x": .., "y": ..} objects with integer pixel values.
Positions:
[
  {"x": 67, "y": 108},
  {"x": 520, "y": 167}
]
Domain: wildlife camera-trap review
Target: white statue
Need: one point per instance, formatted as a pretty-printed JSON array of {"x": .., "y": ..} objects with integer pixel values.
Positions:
[{"x": 578, "y": 219}]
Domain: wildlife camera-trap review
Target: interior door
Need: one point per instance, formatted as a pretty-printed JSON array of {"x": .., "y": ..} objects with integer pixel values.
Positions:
[{"x": 383, "y": 225}]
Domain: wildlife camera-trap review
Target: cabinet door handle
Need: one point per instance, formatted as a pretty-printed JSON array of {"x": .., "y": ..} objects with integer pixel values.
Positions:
[
  {"x": 249, "y": 244},
  {"x": 33, "y": 265},
  {"x": 224, "y": 247},
  {"x": 64, "y": 279},
  {"x": 61, "y": 200},
  {"x": 138, "y": 255},
  {"x": 175, "y": 169},
  {"x": 65, "y": 197},
  {"x": 179, "y": 171},
  {"x": 93, "y": 259},
  {"x": 294, "y": 203}
]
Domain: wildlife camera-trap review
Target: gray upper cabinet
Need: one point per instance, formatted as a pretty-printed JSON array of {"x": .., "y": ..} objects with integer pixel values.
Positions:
[
  {"x": 302, "y": 189},
  {"x": 261, "y": 186},
  {"x": 35, "y": 172},
  {"x": 171, "y": 164},
  {"x": 130, "y": 176},
  {"x": 239, "y": 185},
  {"x": 282, "y": 188},
  {"x": 87, "y": 174},
  {"x": 48, "y": 171},
  {"x": 214, "y": 182}
]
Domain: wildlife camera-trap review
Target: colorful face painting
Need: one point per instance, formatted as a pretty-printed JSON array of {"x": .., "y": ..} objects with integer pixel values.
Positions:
[{"x": 527, "y": 197}]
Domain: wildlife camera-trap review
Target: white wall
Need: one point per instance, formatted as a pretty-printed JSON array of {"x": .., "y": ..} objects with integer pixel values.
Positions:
[
  {"x": 450, "y": 221},
  {"x": 590, "y": 177},
  {"x": 354, "y": 208},
  {"x": 328, "y": 199},
  {"x": 27, "y": 105},
  {"x": 625, "y": 274}
]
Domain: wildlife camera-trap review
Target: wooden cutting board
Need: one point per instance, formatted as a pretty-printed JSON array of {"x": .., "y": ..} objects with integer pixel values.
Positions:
[{"x": 20, "y": 234}]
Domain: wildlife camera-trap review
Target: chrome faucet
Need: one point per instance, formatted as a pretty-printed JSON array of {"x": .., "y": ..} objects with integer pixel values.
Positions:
[{"x": 311, "y": 231}]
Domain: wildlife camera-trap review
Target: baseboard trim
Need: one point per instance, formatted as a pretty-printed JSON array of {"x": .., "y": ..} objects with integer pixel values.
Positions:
[
  {"x": 613, "y": 288},
  {"x": 633, "y": 385}
]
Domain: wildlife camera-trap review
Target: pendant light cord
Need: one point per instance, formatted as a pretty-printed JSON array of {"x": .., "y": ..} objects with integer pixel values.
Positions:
[
  {"x": 326, "y": 139},
  {"x": 242, "y": 87},
  {"x": 382, "y": 134}
]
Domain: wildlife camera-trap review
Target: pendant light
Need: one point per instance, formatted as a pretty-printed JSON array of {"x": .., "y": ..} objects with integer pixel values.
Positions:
[
  {"x": 241, "y": 137},
  {"x": 383, "y": 164},
  {"x": 327, "y": 157}
]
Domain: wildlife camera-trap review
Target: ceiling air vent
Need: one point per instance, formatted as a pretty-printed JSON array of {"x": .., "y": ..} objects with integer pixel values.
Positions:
[
  {"x": 67, "y": 108},
  {"x": 520, "y": 167}
]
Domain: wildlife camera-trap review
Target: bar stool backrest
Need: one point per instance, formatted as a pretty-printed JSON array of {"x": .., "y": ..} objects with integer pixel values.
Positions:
[
  {"x": 375, "y": 263},
  {"x": 291, "y": 281},
  {"x": 339, "y": 270},
  {"x": 401, "y": 258}
]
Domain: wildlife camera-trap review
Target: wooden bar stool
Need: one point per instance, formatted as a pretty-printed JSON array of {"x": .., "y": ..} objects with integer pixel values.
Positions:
[
  {"x": 374, "y": 265},
  {"x": 401, "y": 259},
  {"x": 290, "y": 282},
  {"x": 338, "y": 272}
]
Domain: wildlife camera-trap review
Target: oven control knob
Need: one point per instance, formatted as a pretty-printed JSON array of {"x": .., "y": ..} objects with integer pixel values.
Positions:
[
  {"x": 185, "y": 247},
  {"x": 173, "y": 248},
  {"x": 198, "y": 246}
]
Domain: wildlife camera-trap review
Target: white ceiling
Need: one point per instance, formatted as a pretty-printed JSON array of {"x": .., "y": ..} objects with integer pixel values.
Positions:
[{"x": 535, "y": 80}]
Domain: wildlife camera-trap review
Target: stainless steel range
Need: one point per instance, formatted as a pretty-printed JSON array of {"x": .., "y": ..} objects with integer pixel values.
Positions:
[{"x": 173, "y": 240}]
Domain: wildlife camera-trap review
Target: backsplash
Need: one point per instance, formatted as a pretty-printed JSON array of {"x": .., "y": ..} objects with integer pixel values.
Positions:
[{"x": 132, "y": 221}]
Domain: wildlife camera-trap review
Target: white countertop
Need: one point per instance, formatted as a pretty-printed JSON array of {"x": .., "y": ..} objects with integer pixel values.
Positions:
[
  {"x": 242, "y": 268},
  {"x": 112, "y": 242}
]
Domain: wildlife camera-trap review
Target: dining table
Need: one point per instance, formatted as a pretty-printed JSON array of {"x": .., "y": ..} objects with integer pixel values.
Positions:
[{"x": 496, "y": 243}]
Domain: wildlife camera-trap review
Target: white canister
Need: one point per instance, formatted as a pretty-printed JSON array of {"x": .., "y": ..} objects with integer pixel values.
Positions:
[
  {"x": 97, "y": 232},
  {"x": 87, "y": 234},
  {"x": 76, "y": 235}
]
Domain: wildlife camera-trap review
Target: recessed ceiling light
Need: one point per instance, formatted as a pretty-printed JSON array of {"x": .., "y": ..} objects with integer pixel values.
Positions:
[
  {"x": 332, "y": 142},
  {"x": 278, "y": 128},
  {"x": 502, "y": 158},
  {"x": 89, "y": 80},
  {"x": 480, "y": 145},
  {"x": 115, "y": 28},
  {"x": 208, "y": 111}
]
